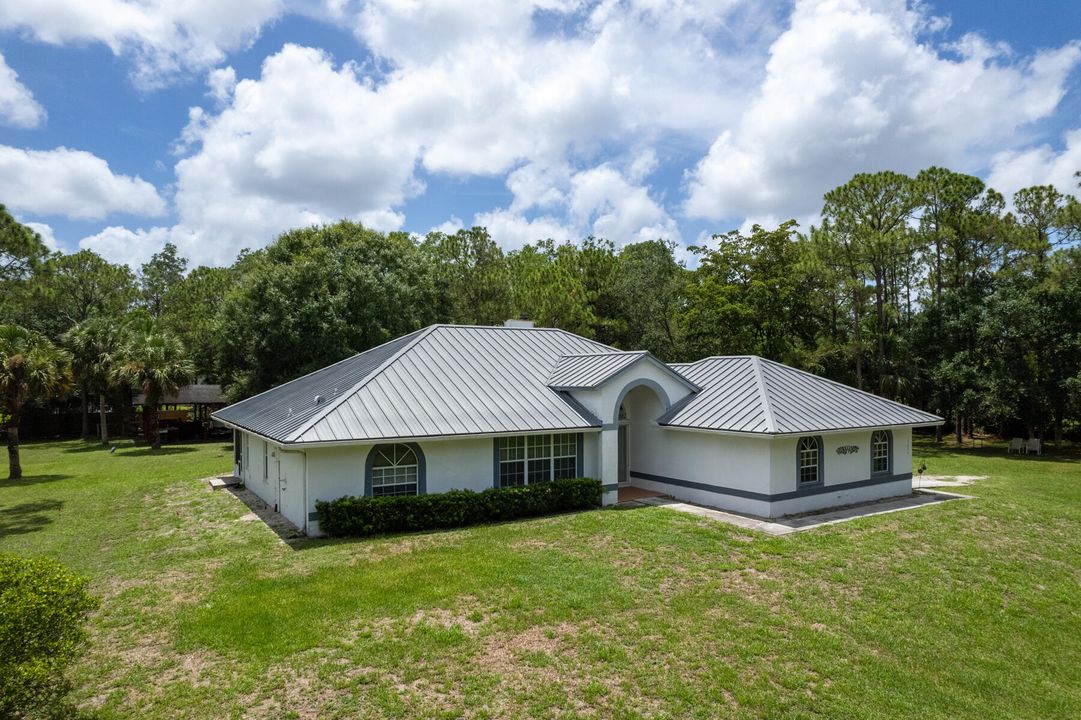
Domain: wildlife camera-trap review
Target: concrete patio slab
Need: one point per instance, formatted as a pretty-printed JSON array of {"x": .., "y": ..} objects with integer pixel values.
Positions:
[{"x": 809, "y": 521}]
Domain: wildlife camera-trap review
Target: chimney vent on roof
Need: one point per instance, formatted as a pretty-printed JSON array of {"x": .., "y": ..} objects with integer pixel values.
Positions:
[
  {"x": 319, "y": 399},
  {"x": 518, "y": 323}
]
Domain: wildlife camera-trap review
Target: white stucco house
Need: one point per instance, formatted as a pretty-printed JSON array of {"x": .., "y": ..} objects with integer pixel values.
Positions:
[{"x": 474, "y": 407}]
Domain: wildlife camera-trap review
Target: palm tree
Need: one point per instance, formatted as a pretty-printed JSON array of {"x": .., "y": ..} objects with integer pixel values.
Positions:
[
  {"x": 30, "y": 365},
  {"x": 154, "y": 360},
  {"x": 94, "y": 345}
]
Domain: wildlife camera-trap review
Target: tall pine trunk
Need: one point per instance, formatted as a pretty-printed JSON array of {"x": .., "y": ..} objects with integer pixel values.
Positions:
[
  {"x": 85, "y": 405},
  {"x": 15, "y": 469},
  {"x": 101, "y": 419}
]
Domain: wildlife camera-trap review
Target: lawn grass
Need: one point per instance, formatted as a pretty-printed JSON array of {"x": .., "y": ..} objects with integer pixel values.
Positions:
[{"x": 966, "y": 609}]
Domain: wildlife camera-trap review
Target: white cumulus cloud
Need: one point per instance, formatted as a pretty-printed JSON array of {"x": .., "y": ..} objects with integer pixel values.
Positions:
[
  {"x": 18, "y": 108},
  {"x": 162, "y": 37},
  {"x": 1012, "y": 170},
  {"x": 856, "y": 85},
  {"x": 72, "y": 183}
]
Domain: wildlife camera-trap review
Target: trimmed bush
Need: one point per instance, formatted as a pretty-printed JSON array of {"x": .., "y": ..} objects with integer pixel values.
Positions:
[
  {"x": 357, "y": 516},
  {"x": 43, "y": 610}
]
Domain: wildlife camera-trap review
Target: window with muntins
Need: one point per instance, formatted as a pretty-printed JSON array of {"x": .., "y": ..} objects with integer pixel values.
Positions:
[
  {"x": 394, "y": 471},
  {"x": 880, "y": 451},
  {"x": 531, "y": 459},
  {"x": 809, "y": 452}
]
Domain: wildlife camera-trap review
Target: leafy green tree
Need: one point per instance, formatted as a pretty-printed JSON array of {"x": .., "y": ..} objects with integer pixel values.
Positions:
[
  {"x": 650, "y": 285},
  {"x": 868, "y": 223},
  {"x": 21, "y": 249},
  {"x": 95, "y": 347},
  {"x": 158, "y": 276},
  {"x": 193, "y": 311},
  {"x": 320, "y": 294},
  {"x": 154, "y": 360},
  {"x": 751, "y": 295},
  {"x": 962, "y": 234},
  {"x": 1039, "y": 209},
  {"x": 30, "y": 366},
  {"x": 473, "y": 272},
  {"x": 70, "y": 289},
  {"x": 548, "y": 287}
]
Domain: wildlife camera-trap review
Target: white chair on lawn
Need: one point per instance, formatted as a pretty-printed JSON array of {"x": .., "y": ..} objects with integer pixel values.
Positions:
[
  {"x": 1016, "y": 445},
  {"x": 1033, "y": 446}
]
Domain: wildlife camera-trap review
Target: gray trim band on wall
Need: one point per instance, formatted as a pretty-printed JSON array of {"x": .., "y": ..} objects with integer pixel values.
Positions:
[
  {"x": 765, "y": 497},
  {"x": 610, "y": 488},
  {"x": 422, "y": 467}
]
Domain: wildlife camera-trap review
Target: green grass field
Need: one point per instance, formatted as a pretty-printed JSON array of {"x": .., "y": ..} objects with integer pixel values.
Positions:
[{"x": 966, "y": 609}]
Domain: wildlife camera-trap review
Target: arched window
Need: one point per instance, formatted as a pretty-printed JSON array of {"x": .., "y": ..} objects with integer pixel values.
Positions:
[
  {"x": 809, "y": 467},
  {"x": 880, "y": 452},
  {"x": 395, "y": 470}
]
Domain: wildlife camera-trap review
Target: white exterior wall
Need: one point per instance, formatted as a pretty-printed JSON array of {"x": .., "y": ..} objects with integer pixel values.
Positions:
[
  {"x": 739, "y": 465},
  {"x": 464, "y": 464},
  {"x": 254, "y": 478},
  {"x": 703, "y": 459}
]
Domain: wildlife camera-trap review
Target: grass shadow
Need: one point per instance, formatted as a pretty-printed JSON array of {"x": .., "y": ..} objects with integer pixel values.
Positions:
[
  {"x": 28, "y": 517},
  {"x": 145, "y": 451},
  {"x": 26, "y": 480}
]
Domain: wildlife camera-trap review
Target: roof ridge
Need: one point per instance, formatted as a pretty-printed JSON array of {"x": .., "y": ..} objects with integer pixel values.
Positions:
[
  {"x": 848, "y": 387},
  {"x": 608, "y": 352},
  {"x": 767, "y": 407},
  {"x": 342, "y": 397}
]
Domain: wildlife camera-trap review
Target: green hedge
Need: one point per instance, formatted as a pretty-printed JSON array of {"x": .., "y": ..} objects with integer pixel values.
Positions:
[
  {"x": 43, "y": 610},
  {"x": 358, "y": 516}
]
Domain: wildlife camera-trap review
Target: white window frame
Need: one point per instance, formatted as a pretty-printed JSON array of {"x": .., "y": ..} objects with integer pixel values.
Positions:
[
  {"x": 397, "y": 469},
  {"x": 808, "y": 457},
  {"x": 880, "y": 440},
  {"x": 530, "y": 456}
]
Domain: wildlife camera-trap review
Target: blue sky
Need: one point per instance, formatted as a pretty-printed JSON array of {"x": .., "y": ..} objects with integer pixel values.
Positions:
[{"x": 127, "y": 124}]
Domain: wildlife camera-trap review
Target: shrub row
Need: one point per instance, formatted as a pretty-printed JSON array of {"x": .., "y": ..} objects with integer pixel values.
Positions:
[{"x": 358, "y": 516}]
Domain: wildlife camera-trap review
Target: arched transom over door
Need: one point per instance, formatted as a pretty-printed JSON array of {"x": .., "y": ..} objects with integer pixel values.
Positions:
[{"x": 394, "y": 469}]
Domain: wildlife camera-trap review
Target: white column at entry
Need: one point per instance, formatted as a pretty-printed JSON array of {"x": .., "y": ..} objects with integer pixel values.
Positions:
[{"x": 610, "y": 465}]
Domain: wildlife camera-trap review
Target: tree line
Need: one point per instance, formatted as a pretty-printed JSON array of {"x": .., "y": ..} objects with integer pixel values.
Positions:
[{"x": 931, "y": 290}]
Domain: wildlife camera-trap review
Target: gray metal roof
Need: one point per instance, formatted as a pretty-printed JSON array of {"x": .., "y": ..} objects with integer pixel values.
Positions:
[
  {"x": 575, "y": 372},
  {"x": 450, "y": 380},
  {"x": 281, "y": 411},
  {"x": 754, "y": 395},
  {"x": 442, "y": 380},
  {"x": 590, "y": 370}
]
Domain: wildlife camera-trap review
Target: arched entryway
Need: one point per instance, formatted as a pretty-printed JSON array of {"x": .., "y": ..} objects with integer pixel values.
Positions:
[{"x": 639, "y": 405}]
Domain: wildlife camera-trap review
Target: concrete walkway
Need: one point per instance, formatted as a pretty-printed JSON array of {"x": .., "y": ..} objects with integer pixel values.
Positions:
[{"x": 809, "y": 521}]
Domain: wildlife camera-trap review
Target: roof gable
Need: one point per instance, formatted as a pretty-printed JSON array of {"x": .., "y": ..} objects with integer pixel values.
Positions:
[{"x": 587, "y": 371}]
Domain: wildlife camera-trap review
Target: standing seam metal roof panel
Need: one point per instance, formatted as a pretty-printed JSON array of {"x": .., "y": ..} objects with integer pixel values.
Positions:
[
  {"x": 462, "y": 380},
  {"x": 751, "y": 394},
  {"x": 589, "y": 371},
  {"x": 282, "y": 410}
]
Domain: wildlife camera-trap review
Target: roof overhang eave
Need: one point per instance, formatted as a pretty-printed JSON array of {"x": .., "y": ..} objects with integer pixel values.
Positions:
[
  {"x": 831, "y": 431},
  {"x": 412, "y": 438}
]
